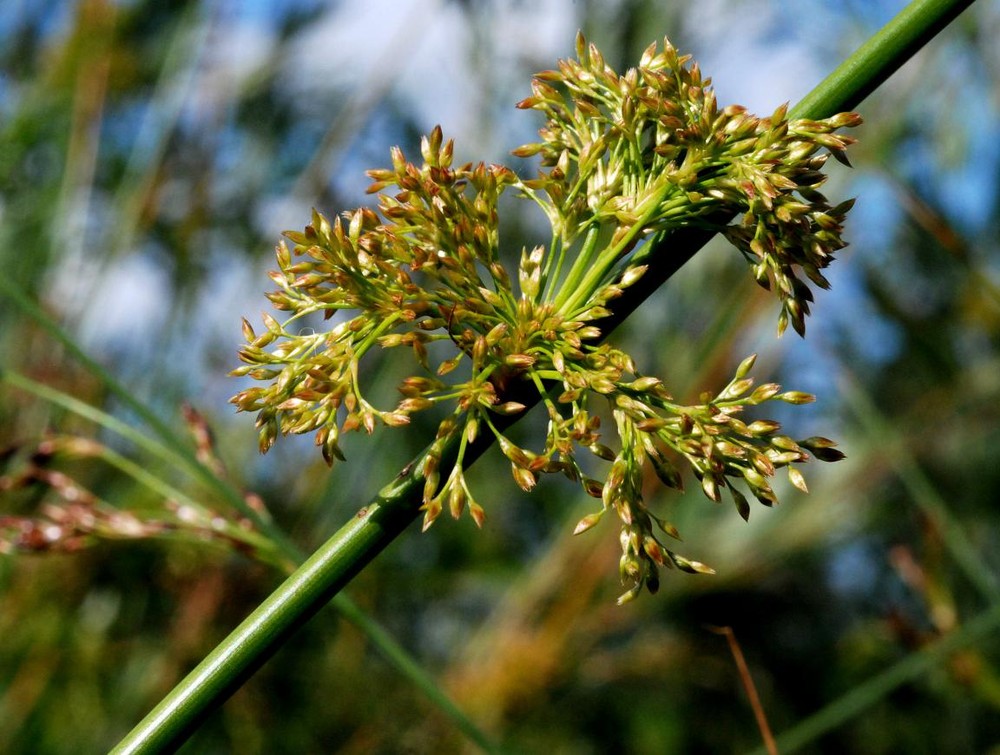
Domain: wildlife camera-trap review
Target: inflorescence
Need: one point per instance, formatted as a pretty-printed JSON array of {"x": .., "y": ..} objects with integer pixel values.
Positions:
[{"x": 625, "y": 160}]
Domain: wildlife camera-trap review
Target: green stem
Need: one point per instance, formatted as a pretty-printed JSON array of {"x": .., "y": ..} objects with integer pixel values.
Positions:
[
  {"x": 580, "y": 266},
  {"x": 594, "y": 272},
  {"x": 306, "y": 591},
  {"x": 358, "y": 542},
  {"x": 865, "y": 70}
]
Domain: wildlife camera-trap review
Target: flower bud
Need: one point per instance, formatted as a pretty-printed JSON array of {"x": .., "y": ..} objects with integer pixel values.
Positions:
[
  {"x": 523, "y": 477},
  {"x": 797, "y": 397},
  {"x": 795, "y": 477},
  {"x": 587, "y": 522}
]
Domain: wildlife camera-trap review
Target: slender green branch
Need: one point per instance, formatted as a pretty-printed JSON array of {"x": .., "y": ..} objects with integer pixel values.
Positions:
[
  {"x": 398, "y": 505},
  {"x": 581, "y": 265}
]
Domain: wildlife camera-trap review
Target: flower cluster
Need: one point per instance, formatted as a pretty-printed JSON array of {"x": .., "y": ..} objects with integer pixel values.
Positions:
[
  {"x": 625, "y": 160},
  {"x": 650, "y": 151}
]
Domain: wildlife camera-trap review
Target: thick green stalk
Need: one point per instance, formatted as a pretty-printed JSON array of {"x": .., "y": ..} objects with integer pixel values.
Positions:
[
  {"x": 872, "y": 63},
  {"x": 398, "y": 505},
  {"x": 307, "y": 590}
]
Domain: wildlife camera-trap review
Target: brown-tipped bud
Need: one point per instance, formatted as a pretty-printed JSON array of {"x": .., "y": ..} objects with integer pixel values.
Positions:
[
  {"x": 497, "y": 332},
  {"x": 823, "y": 449},
  {"x": 668, "y": 528},
  {"x": 742, "y": 505},
  {"x": 763, "y": 427},
  {"x": 604, "y": 386},
  {"x": 267, "y": 435},
  {"x": 651, "y": 424},
  {"x": 691, "y": 567},
  {"x": 526, "y": 150},
  {"x": 415, "y": 404},
  {"x": 667, "y": 473},
  {"x": 431, "y": 482},
  {"x": 248, "y": 334},
  {"x": 272, "y": 325},
  {"x": 785, "y": 443},
  {"x": 568, "y": 397},
  {"x": 391, "y": 340},
  {"x": 477, "y": 513},
  {"x": 368, "y": 421},
  {"x": 517, "y": 455},
  {"x": 587, "y": 522},
  {"x": 632, "y": 275},
  {"x": 754, "y": 478},
  {"x": 456, "y": 500},
  {"x": 471, "y": 429},
  {"x": 519, "y": 360},
  {"x": 711, "y": 488},
  {"x": 525, "y": 478},
  {"x": 745, "y": 366},
  {"x": 797, "y": 397},
  {"x": 736, "y": 389},
  {"x": 479, "y": 350},
  {"x": 762, "y": 463},
  {"x": 431, "y": 463},
  {"x": 559, "y": 361},
  {"x": 593, "y": 488},
  {"x": 654, "y": 550},
  {"x": 449, "y": 364},
  {"x": 509, "y": 407},
  {"x": 602, "y": 451},
  {"x": 432, "y": 510},
  {"x": 763, "y": 393},
  {"x": 644, "y": 384},
  {"x": 415, "y": 385}
]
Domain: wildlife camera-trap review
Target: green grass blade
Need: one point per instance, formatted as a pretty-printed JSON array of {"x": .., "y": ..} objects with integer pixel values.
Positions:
[
  {"x": 867, "y": 694},
  {"x": 909, "y": 474}
]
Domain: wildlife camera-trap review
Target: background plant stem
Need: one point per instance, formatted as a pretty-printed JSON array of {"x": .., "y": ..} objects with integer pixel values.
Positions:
[{"x": 396, "y": 506}]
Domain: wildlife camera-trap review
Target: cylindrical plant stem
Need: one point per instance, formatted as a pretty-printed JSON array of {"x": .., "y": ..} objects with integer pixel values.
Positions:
[{"x": 395, "y": 508}]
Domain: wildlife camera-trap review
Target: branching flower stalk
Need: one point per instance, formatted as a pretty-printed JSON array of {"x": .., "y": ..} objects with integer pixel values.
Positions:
[{"x": 625, "y": 160}]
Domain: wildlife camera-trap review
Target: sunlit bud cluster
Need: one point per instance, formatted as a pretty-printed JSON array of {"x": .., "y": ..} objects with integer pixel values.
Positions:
[{"x": 625, "y": 159}]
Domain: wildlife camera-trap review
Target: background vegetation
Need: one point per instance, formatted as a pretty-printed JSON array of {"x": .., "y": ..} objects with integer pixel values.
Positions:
[{"x": 150, "y": 154}]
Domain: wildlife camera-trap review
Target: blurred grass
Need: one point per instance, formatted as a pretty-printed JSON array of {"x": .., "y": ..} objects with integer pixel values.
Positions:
[{"x": 112, "y": 151}]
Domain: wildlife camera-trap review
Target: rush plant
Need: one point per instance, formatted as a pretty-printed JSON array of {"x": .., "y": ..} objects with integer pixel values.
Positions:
[
  {"x": 627, "y": 159},
  {"x": 638, "y": 170}
]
